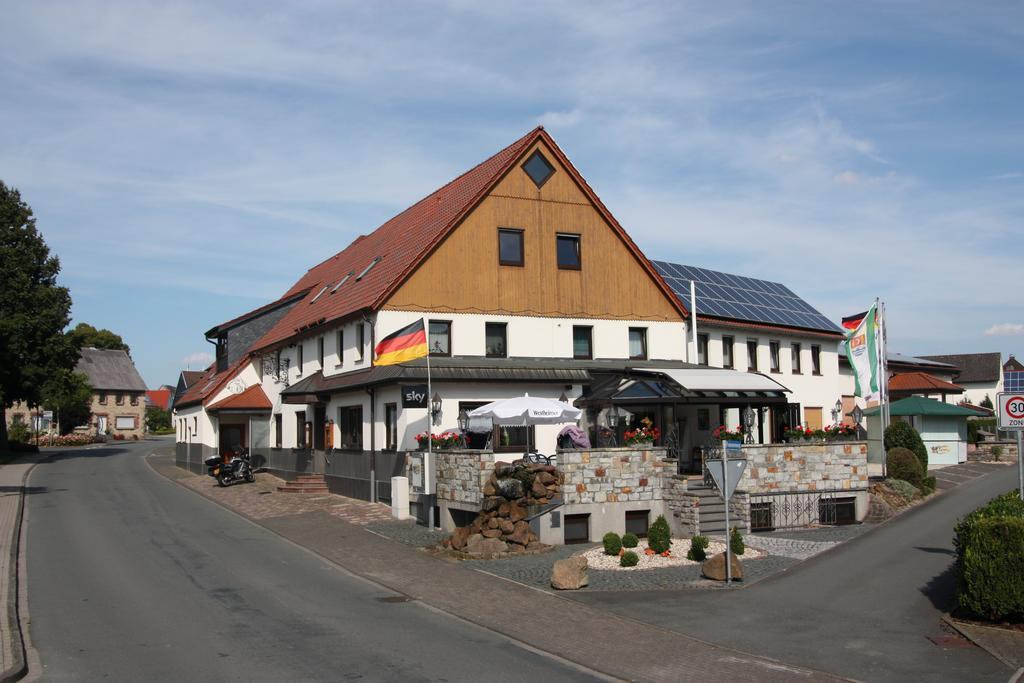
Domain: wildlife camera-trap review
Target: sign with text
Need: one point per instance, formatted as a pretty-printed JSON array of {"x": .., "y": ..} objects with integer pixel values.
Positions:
[
  {"x": 1011, "y": 411},
  {"x": 414, "y": 396}
]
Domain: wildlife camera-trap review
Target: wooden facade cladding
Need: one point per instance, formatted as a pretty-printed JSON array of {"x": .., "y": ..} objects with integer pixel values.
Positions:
[{"x": 463, "y": 275}]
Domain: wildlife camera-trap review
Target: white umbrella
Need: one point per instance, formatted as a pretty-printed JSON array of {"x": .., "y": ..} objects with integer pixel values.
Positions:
[{"x": 528, "y": 410}]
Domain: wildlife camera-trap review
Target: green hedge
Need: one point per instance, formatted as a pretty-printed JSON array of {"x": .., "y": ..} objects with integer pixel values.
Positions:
[
  {"x": 902, "y": 463},
  {"x": 903, "y": 435},
  {"x": 990, "y": 553}
]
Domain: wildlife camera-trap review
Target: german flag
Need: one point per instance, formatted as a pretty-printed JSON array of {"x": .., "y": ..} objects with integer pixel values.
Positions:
[
  {"x": 852, "y": 322},
  {"x": 406, "y": 344}
]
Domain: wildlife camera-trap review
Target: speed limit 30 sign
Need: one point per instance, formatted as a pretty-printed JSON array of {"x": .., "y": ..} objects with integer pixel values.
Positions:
[{"x": 1011, "y": 411}]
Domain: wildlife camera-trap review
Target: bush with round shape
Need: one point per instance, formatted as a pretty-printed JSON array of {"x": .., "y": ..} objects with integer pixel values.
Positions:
[
  {"x": 928, "y": 485},
  {"x": 901, "y": 463},
  {"x": 659, "y": 535},
  {"x": 736, "y": 543},
  {"x": 990, "y": 551},
  {"x": 698, "y": 546},
  {"x": 630, "y": 540},
  {"x": 612, "y": 543},
  {"x": 903, "y": 435},
  {"x": 629, "y": 559}
]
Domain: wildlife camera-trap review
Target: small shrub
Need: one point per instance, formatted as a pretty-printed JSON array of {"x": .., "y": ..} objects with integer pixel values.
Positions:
[
  {"x": 612, "y": 543},
  {"x": 736, "y": 544},
  {"x": 630, "y": 541},
  {"x": 903, "y": 435},
  {"x": 905, "y": 489},
  {"x": 901, "y": 463},
  {"x": 698, "y": 546},
  {"x": 659, "y": 535},
  {"x": 997, "y": 452},
  {"x": 928, "y": 485},
  {"x": 19, "y": 431},
  {"x": 629, "y": 559}
]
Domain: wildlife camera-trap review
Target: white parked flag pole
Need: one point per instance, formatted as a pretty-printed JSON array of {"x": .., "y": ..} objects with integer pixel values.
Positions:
[{"x": 883, "y": 362}]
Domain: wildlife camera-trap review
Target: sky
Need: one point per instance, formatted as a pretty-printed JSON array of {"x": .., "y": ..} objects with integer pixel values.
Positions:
[{"x": 188, "y": 161}]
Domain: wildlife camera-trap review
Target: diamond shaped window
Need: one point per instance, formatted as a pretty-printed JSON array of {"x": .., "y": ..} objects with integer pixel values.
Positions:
[{"x": 538, "y": 168}]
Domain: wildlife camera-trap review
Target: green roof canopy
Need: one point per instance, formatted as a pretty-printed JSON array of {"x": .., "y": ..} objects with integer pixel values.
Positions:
[{"x": 919, "y": 405}]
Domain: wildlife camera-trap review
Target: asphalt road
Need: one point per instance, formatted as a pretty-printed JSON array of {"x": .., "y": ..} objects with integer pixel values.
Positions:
[
  {"x": 864, "y": 610},
  {"x": 131, "y": 577}
]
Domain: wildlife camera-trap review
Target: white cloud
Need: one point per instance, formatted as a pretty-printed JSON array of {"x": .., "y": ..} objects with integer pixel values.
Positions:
[
  {"x": 197, "y": 361},
  {"x": 1004, "y": 329}
]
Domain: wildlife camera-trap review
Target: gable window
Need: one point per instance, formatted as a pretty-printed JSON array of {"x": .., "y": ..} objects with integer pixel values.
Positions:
[
  {"x": 638, "y": 343},
  {"x": 538, "y": 168},
  {"x": 440, "y": 338},
  {"x": 796, "y": 358},
  {"x": 103, "y": 399},
  {"x": 727, "y": 343},
  {"x": 815, "y": 359},
  {"x": 299, "y": 358},
  {"x": 702, "y": 349},
  {"x": 119, "y": 399},
  {"x": 320, "y": 351},
  {"x": 135, "y": 399},
  {"x": 350, "y": 423},
  {"x": 339, "y": 341},
  {"x": 391, "y": 426},
  {"x": 773, "y": 355},
  {"x": 752, "y": 355},
  {"x": 510, "y": 247},
  {"x": 360, "y": 342},
  {"x": 568, "y": 249},
  {"x": 496, "y": 340},
  {"x": 582, "y": 342}
]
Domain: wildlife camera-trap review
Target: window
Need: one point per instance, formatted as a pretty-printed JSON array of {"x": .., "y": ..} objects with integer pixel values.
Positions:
[
  {"x": 638, "y": 343},
  {"x": 195, "y": 425},
  {"x": 350, "y": 422},
  {"x": 341, "y": 282},
  {"x": 375, "y": 261},
  {"x": 568, "y": 250},
  {"x": 119, "y": 399},
  {"x": 440, "y": 338},
  {"x": 496, "y": 340},
  {"x": 702, "y": 349},
  {"x": 320, "y": 351},
  {"x": 752, "y": 355},
  {"x": 727, "y": 343},
  {"x": 510, "y": 247},
  {"x": 773, "y": 355},
  {"x": 582, "y": 342},
  {"x": 391, "y": 426},
  {"x": 103, "y": 399},
  {"x": 318, "y": 294},
  {"x": 300, "y": 429},
  {"x": 278, "y": 430},
  {"x": 124, "y": 422},
  {"x": 538, "y": 168},
  {"x": 577, "y": 529},
  {"x": 299, "y": 358},
  {"x": 339, "y": 342},
  {"x": 815, "y": 359},
  {"x": 796, "y": 358},
  {"x": 482, "y": 432},
  {"x": 636, "y": 522},
  {"x": 134, "y": 399}
]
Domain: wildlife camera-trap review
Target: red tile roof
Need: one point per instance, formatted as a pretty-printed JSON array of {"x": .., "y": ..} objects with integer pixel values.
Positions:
[
  {"x": 405, "y": 240},
  {"x": 159, "y": 397},
  {"x": 253, "y": 398},
  {"x": 209, "y": 383},
  {"x": 921, "y": 381}
]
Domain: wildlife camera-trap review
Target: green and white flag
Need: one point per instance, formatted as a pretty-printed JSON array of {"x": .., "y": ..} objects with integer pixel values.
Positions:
[{"x": 862, "y": 351}]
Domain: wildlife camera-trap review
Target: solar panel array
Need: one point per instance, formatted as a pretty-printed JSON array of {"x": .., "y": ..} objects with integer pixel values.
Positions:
[
  {"x": 742, "y": 298},
  {"x": 1013, "y": 380}
]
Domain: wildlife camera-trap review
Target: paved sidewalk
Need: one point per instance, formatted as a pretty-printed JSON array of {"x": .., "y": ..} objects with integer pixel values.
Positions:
[
  {"x": 951, "y": 476},
  {"x": 614, "y": 645},
  {"x": 12, "y": 651}
]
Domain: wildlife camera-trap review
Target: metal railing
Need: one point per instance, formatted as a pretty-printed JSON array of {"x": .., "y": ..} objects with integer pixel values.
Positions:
[{"x": 791, "y": 510}]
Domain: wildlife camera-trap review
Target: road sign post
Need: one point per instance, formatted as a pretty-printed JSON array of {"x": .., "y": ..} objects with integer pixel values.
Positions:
[
  {"x": 1011, "y": 419},
  {"x": 726, "y": 474}
]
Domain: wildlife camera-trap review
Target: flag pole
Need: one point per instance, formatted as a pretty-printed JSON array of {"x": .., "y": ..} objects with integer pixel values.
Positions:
[
  {"x": 429, "y": 463},
  {"x": 884, "y": 372}
]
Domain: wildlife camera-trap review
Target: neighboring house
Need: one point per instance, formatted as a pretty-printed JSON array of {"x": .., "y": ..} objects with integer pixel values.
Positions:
[
  {"x": 118, "y": 393},
  {"x": 185, "y": 380},
  {"x": 161, "y": 398},
  {"x": 904, "y": 384},
  {"x": 897, "y": 364},
  {"x": 980, "y": 374},
  {"x": 757, "y": 326},
  {"x": 943, "y": 428}
]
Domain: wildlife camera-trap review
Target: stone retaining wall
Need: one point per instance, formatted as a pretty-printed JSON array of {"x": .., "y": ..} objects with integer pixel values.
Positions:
[
  {"x": 983, "y": 451},
  {"x": 611, "y": 475},
  {"x": 777, "y": 468},
  {"x": 461, "y": 475}
]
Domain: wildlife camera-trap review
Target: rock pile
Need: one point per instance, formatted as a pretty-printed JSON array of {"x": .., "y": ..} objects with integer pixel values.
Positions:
[{"x": 501, "y": 527}]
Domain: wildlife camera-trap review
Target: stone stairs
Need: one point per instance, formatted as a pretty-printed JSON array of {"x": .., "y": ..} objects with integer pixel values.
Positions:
[
  {"x": 305, "y": 483},
  {"x": 712, "y": 510}
]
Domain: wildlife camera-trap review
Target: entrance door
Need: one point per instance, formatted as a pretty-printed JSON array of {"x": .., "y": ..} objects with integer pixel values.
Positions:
[
  {"x": 101, "y": 424},
  {"x": 813, "y": 416},
  {"x": 232, "y": 438}
]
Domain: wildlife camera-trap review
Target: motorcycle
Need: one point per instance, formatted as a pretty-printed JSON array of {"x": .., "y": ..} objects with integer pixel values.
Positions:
[{"x": 238, "y": 468}]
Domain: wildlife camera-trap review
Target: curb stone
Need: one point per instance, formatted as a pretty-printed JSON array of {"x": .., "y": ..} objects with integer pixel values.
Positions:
[{"x": 12, "y": 614}]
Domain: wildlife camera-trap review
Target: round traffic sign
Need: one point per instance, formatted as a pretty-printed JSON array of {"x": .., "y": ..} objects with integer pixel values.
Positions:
[{"x": 1015, "y": 407}]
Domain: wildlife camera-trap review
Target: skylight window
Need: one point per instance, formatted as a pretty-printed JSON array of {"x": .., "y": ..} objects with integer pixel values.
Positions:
[
  {"x": 538, "y": 168},
  {"x": 319, "y": 294},
  {"x": 341, "y": 282},
  {"x": 366, "y": 270}
]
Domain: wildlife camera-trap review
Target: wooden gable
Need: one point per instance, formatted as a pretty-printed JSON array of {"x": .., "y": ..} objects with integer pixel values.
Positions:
[{"x": 463, "y": 275}]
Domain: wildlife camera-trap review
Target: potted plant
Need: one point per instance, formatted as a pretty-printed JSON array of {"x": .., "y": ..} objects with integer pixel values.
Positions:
[
  {"x": 723, "y": 433},
  {"x": 643, "y": 437}
]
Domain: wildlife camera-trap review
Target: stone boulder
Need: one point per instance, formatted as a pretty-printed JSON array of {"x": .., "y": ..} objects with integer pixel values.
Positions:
[
  {"x": 520, "y": 533},
  {"x": 486, "y": 548},
  {"x": 714, "y": 568},
  {"x": 569, "y": 574},
  {"x": 460, "y": 537},
  {"x": 511, "y": 488}
]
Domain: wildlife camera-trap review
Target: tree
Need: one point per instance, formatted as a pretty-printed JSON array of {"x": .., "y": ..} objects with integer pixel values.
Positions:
[
  {"x": 84, "y": 334},
  {"x": 986, "y": 402},
  {"x": 34, "y": 310},
  {"x": 69, "y": 396},
  {"x": 157, "y": 418}
]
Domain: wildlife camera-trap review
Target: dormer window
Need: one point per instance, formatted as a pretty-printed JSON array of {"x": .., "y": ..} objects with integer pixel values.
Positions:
[{"x": 538, "y": 168}]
